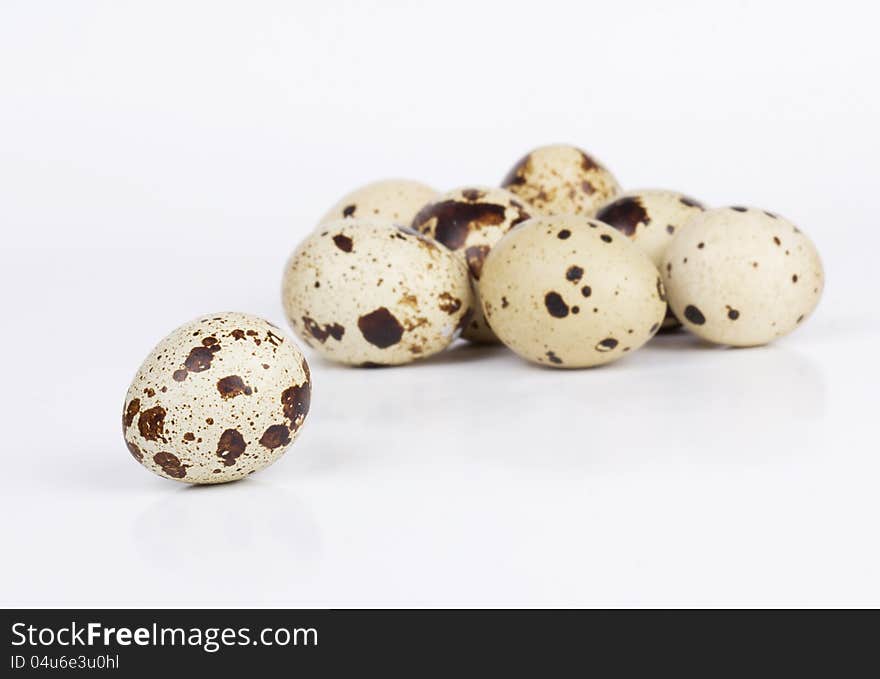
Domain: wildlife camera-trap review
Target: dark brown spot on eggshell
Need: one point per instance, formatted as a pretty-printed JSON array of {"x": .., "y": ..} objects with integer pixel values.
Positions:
[
  {"x": 624, "y": 214},
  {"x": 448, "y": 303},
  {"x": 321, "y": 333},
  {"x": 606, "y": 344},
  {"x": 732, "y": 313},
  {"x": 587, "y": 163},
  {"x": 380, "y": 328},
  {"x": 348, "y": 210},
  {"x": 230, "y": 446},
  {"x": 563, "y": 234},
  {"x": 151, "y": 424},
  {"x": 343, "y": 242},
  {"x": 694, "y": 315},
  {"x": 553, "y": 358},
  {"x": 131, "y": 410},
  {"x": 556, "y": 306},
  {"x": 574, "y": 274},
  {"x": 455, "y": 220},
  {"x": 232, "y": 386},
  {"x": 200, "y": 358},
  {"x": 690, "y": 202},
  {"x": 170, "y": 464},
  {"x": 275, "y": 436},
  {"x": 606, "y": 238},
  {"x": 135, "y": 451},
  {"x": 295, "y": 402},
  {"x": 473, "y": 194}
]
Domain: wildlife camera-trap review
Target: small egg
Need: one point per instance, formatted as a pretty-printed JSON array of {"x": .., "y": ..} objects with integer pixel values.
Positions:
[
  {"x": 219, "y": 398},
  {"x": 469, "y": 221},
  {"x": 651, "y": 218},
  {"x": 571, "y": 292},
  {"x": 559, "y": 180},
  {"x": 370, "y": 293},
  {"x": 742, "y": 276},
  {"x": 392, "y": 200}
]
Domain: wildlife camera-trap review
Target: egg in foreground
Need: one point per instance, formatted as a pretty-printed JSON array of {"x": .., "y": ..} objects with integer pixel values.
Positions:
[
  {"x": 219, "y": 398},
  {"x": 391, "y": 200},
  {"x": 469, "y": 221},
  {"x": 571, "y": 292},
  {"x": 560, "y": 180},
  {"x": 742, "y": 276},
  {"x": 369, "y": 293}
]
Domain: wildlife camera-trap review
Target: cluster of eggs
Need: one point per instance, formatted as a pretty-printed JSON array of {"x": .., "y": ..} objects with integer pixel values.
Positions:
[{"x": 556, "y": 263}]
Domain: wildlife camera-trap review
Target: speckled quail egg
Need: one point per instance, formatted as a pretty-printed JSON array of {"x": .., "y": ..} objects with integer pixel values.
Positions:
[
  {"x": 366, "y": 292},
  {"x": 571, "y": 292},
  {"x": 742, "y": 276},
  {"x": 219, "y": 398},
  {"x": 393, "y": 200},
  {"x": 559, "y": 180},
  {"x": 470, "y": 221},
  {"x": 651, "y": 218}
]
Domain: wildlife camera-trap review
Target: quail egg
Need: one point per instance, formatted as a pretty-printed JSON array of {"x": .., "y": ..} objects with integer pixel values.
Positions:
[
  {"x": 560, "y": 179},
  {"x": 393, "y": 200},
  {"x": 219, "y": 398},
  {"x": 370, "y": 293},
  {"x": 742, "y": 276},
  {"x": 651, "y": 219},
  {"x": 570, "y": 292},
  {"x": 469, "y": 221}
]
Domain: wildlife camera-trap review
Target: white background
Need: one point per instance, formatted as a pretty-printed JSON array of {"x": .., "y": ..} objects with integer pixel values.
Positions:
[{"x": 159, "y": 160}]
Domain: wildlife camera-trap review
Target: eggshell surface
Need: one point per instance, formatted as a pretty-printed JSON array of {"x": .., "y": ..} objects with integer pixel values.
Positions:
[
  {"x": 559, "y": 180},
  {"x": 469, "y": 221},
  {"x": 571, "y": 292},
  {"x": 392, "y": 200},
  {"x": 651, "y": 218},
  {"x": 219, "y": 398},
  {"x": 742, "y": 276},
  {"x": 364, "y": 293}
]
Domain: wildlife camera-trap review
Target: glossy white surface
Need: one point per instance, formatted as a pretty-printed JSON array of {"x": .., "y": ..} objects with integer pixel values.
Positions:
[{"x": 140, "y": 187}]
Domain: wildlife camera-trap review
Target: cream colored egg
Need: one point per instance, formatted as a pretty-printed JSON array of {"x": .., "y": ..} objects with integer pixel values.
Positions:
[
  {"x": 560, "y": 179},
  {"x": 742, "y": 276},
  {"x": 366, "y": 292},
  {"x": 219, "y": 398},
  {"x": 392, "y": 200},
  {"x": 571, "y": 292},
  {"x": 469, "y": 221},
  {"x": 651, "y": 218}
]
